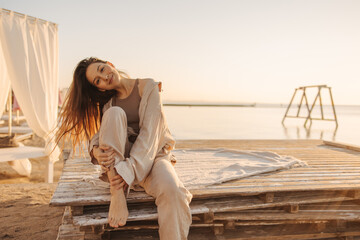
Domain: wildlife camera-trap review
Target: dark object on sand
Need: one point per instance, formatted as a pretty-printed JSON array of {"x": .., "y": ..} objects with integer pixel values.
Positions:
[{"x": 8, "y": 141}]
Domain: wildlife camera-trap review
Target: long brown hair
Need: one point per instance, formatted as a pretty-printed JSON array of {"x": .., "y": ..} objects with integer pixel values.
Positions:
[{"x": 81, "y": 113}]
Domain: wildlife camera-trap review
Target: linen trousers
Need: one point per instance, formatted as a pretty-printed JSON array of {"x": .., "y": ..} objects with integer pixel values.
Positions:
[{"x": 171, "y": 197}]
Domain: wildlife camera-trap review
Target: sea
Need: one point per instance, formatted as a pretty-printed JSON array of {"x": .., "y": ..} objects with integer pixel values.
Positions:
[{"x": 264, "y": 121}]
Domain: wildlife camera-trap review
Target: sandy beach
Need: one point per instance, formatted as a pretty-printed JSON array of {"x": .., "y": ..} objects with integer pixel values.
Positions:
[{"x": 24, "y": 204}]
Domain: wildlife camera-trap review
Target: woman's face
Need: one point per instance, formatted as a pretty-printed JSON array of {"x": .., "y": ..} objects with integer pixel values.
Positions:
[{"x": 103, "y": 76}]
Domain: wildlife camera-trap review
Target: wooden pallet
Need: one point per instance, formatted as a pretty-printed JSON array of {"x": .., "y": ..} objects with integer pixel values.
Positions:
[{"x": 296, "y": 197}]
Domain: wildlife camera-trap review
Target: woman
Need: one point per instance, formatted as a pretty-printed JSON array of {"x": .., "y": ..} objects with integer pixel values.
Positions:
[{"x": 132, "y": 143}]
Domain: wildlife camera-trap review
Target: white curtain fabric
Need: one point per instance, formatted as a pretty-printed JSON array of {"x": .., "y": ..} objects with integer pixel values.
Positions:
[
  {"x": 30, "y": 51},
  {"x": 4, "y": 82}
]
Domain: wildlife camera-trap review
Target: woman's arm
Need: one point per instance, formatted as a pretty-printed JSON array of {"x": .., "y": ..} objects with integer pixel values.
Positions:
[{"x": 104, "y": 155}]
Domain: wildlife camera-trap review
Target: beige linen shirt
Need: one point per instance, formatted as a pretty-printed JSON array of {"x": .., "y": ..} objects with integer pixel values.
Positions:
[{"x": 154, "y": 136}]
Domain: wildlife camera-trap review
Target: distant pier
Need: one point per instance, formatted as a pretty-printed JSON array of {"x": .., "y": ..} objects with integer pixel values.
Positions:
[{"x": 208, "y": 105}]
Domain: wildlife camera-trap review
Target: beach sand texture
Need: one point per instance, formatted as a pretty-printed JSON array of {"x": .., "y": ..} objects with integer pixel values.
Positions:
[{"x": 24, "y": 202}]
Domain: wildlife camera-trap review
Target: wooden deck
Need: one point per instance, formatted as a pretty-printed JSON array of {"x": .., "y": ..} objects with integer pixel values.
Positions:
[{"x": 325, "y": 193}]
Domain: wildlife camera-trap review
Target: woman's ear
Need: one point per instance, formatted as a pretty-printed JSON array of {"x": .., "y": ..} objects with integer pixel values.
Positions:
[{"x": 110, "y": 64}]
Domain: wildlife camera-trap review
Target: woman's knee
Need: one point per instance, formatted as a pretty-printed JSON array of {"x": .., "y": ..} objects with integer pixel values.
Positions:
[
  {"x": 173, "y": 191},
  {"x": 114, "y": 113}
]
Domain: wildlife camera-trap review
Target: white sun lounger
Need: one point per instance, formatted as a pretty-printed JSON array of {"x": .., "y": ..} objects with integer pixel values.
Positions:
[
  {"x": 23, "y": 152},
  {"x": 14, "y": 118},
  {"x": 16, "y": 129}
]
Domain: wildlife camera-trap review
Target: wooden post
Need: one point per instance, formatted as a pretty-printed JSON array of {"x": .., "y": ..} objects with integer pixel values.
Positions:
[
  {"x": 321, "y": 106},
  {"x": 208, "y": 217},
  {"x": 306, "y": 101},
  {"x": 230, "y": 224},
  {"x": 294, "y": 208},
  {"x": 67, "y": 218},
  {"x": 312, "y": 107},
  {"x": 49, "y": 171},
  {"x": 98, "y": 229},
  {"x": 299, "y": 107},
  {"x": 333, "y": 106},
  {"x": 287, "y": 110},
  {"x": 218, "y": 230},
  {"x": 77, "y": 210},
  {"x": 267, "y": 197}
]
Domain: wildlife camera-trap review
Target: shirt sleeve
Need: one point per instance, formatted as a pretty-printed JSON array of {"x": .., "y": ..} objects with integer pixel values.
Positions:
[{"x": 145, "y": 148}]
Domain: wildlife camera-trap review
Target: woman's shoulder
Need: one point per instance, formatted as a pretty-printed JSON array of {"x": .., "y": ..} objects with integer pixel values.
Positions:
[{"x": 146, "y": 83}]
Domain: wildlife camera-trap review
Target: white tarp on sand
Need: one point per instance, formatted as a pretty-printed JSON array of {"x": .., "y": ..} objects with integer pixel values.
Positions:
[{"x": 202, "y": 167}]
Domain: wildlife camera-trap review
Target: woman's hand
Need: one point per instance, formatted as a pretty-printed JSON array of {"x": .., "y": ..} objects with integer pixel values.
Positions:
[
  {"x": 118, "y": 182},
  {"x": 105, "y": 156}
]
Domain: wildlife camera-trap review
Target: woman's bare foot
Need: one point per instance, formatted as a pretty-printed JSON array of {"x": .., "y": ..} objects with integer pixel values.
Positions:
[{"x": 118, "y": 212}]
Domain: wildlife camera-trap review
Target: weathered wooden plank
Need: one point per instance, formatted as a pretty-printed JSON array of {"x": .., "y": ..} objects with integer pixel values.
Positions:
[
  {"x": 280, "y": 232},
  {"x": 252, "y": 202},
  {"x": 207, "y": 207},
  {"x": 67, "y": 230},
  {"x": 87, "y": 189},
  {"x": 266, "y": 179},
  {"x": 145, "y": 213},
  {"x": 96, "y": 191},
  {"x": 343, "y": 145},
  {"x": 303, "y": 236},
  {"x": 62, "y": 187},
  {"x": 155, "y": 226},
  {"x": 325, "y": 215},
  {"x": 330, "y": 183},
  {"x": 209, "y": 192},
  {"x": 277, "y": 222}
]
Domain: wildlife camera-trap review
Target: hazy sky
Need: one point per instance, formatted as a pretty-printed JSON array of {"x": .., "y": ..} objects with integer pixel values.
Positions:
[{"x": 213, "y": 50}]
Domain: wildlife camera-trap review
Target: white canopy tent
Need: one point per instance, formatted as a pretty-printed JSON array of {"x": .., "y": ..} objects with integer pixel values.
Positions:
[{"x": 29, "y": 65}]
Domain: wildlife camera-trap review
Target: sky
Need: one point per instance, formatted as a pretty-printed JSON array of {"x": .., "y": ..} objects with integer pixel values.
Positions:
[{"x": 255, "y": 51}]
